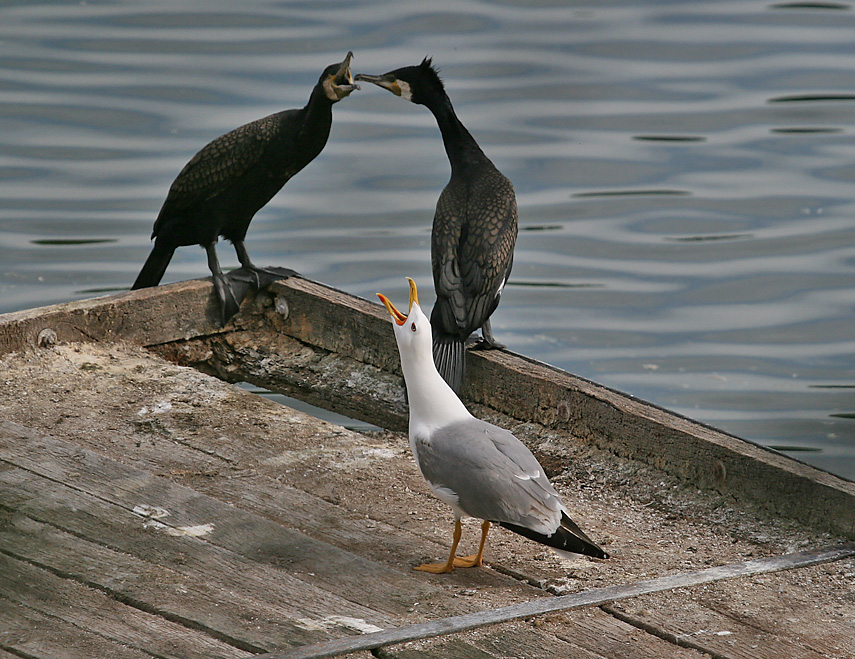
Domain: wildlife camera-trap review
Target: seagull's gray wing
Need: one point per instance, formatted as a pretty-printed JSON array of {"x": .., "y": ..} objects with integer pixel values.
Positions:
[{"x": 492, "y": 474}]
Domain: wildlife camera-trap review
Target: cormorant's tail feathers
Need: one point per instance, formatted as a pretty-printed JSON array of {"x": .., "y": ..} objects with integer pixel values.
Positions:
[
  {"x": 154, "y": 267},
  {"x": 568, "y": 537},
  {"x": 449, "y": 355}
]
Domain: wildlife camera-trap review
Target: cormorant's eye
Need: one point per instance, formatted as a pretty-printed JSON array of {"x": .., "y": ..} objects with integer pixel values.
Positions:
[{"x": 413, "y": 327}]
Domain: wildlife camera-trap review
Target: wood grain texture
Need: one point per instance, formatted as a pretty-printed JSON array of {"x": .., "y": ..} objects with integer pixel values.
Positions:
[
  {"x": 163, "y": 313},
  {"x": 293, "y": 543},
  {"x": 235, "y": 531},
  {"x": 26, "y": 632},
  {"x": 236, "y": 607},
  {"x": 112, "y": 427},
  {"x": 82, "y": 606}
]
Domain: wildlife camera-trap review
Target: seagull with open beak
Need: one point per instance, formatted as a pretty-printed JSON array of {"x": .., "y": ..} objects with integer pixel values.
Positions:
[{"x": 477, "y": 468}]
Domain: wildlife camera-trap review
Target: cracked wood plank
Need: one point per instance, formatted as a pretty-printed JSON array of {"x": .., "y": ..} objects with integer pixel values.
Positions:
[
  {"x": 55, "y": 637},
  {"x": 193, "y": 586},
  {"x": 44, "y": 591},
  {"x": 175, "y": 510}
]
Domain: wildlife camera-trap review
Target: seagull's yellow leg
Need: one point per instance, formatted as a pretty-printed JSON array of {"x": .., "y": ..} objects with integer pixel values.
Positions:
[
  {"x": 475, "y": 560},
  {"x": 448, "y": 566}
]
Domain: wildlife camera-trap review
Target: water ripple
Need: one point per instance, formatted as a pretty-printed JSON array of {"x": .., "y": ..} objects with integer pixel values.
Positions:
[{"x": 684, "y": 174}]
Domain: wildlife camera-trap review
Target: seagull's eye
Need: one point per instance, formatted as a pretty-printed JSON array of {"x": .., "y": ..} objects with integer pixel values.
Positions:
[{"x": 413, "y": 327}]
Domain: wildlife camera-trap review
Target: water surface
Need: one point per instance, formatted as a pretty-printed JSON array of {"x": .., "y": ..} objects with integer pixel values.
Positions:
[{"x": 684, "y": 174}]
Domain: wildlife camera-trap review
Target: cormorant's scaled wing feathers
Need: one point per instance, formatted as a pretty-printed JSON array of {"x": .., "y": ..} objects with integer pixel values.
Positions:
[
  {"x": 227, "y": 158},
  {"x": 470, "y": 266},
  {"x": 494, "y": 476},
  {"x": 445, "y": 255}
]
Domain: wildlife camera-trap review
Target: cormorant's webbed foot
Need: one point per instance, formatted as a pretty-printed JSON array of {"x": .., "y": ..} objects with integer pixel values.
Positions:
[
  {"x": 229, "y": 298},
  {"x": 486, "y": 341},
  {"x": 251, "y": 273},
  {"x": 260, "y": 277}
]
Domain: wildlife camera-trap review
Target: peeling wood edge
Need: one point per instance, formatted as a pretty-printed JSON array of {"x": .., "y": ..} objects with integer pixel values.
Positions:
[
  {"x": 522, "y": 388},
  {"x": 541, "y": 606}
]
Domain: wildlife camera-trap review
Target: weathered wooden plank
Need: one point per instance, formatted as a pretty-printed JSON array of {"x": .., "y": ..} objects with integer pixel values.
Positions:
[
  {"x": 164, "y": 313},
  {"x": 122, "y": 401},
  {"x": 330, "y": 463},
  {"x": 595, "y": 631},
  {"x": 565, "y": 602},
  {"x": 514, "y": 640},
  {"x": 43, "y": 547},
  {"x": 451, "y": 648},
  {"x": 589, "y": 634},
  {"x": 335, "y": 321},
  {"x": 716, "y": 635},
  {"x": 801, "y": 614},
  {"x": 368, "y": 583},
  {"x": 250, "y": 608},
  {"x": 285, "y": 365},
  {"x": 783, "y": 607},
  {"x": 253, "y": 445},
  {"x": 97, "y": 613},
  {"x": 25, "y": 632}
]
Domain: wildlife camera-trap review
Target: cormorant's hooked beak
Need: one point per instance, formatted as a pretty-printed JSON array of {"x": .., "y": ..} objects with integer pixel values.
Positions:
[
  {"x": 342, "y": 80},
  {"x": 397, "y": 316},
  {"x": 386, "y": 81}
]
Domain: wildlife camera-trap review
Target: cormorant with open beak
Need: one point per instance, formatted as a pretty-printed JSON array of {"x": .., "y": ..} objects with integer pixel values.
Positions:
[{"x": 224, "y": 185}]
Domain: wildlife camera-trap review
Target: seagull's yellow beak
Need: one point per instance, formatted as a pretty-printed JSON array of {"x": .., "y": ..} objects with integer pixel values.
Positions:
[
  {"x": 397, "y": 315},
  {"x": 414, "y": 294}
]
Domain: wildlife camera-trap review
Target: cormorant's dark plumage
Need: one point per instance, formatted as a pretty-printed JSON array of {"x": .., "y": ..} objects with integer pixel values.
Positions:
[
  {"x": 474, "y": 229},
  {"x": 224, "y": 185}
]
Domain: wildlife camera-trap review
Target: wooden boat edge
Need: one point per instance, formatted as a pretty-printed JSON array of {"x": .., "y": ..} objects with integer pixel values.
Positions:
[{"x": 169, "y": 318}]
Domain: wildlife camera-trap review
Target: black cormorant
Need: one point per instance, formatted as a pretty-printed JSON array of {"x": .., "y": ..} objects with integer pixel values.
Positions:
[
  {"x": 224, "y": 185},
  {"x": 474, "y": 228}
]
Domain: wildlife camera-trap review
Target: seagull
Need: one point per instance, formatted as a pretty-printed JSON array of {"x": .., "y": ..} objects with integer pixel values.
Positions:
[{"x": 477, "y": 468}]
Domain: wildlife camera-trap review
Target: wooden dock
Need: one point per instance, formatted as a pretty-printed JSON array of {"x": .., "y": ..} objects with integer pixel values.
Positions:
[{"x": 148, "y": 508}]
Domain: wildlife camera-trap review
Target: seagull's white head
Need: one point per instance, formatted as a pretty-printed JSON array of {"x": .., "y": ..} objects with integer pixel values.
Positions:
[
  {"x": 412, "y": 332},
  {"x": 433, "y": 403}
]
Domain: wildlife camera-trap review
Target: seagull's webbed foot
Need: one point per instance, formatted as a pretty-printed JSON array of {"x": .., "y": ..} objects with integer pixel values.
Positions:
[
  {"x": 436, "y": 568},
  {"x": 468, "y": 561},
  {"x": 476, "y": 560}
]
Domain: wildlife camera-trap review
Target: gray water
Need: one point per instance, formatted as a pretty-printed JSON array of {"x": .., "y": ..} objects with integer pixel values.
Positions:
[{"x": 684, "y": 173}]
